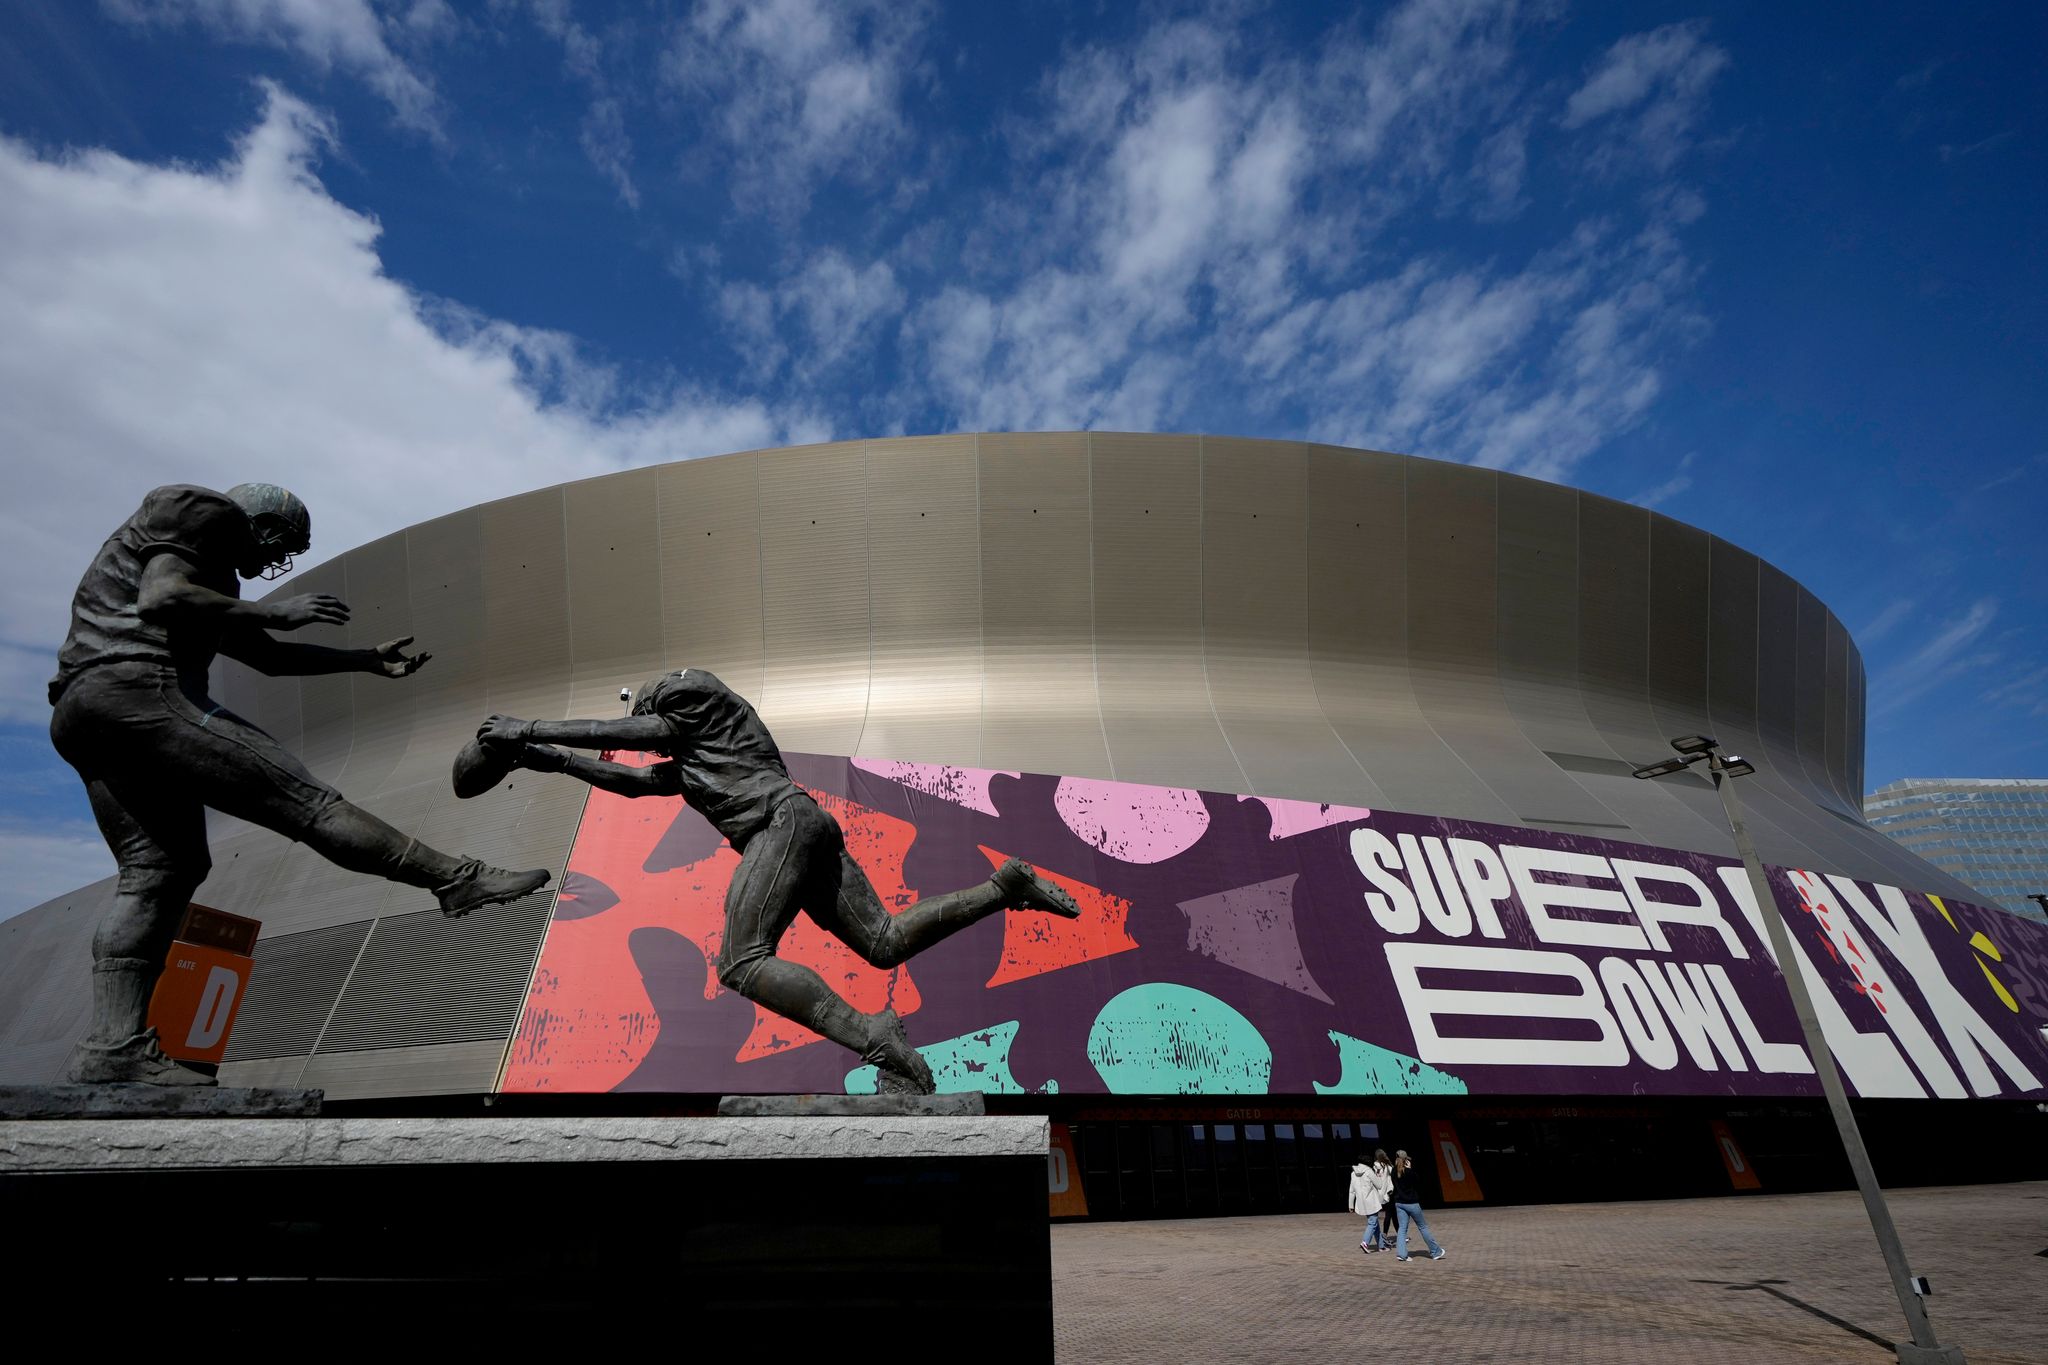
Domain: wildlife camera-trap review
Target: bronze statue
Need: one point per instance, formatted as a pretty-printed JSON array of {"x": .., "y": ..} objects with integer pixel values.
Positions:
[
  {"x": 132, "y": 716},
  {"x": 720, "y": 758}
]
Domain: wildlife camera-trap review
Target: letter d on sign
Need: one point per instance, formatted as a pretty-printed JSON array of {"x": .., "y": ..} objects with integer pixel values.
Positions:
[{"x": 216, "y": 1007}]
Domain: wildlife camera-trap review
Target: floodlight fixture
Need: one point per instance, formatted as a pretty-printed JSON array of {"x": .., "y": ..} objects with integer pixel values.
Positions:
[
  {"x": 1735, "y": 765},
  {"x": 1664, "y": 769},
  {"x": 1694, "y": 744}
]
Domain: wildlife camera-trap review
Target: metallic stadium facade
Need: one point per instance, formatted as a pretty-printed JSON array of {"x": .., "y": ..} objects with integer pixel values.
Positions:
[{"x": 1267, "y": 619}]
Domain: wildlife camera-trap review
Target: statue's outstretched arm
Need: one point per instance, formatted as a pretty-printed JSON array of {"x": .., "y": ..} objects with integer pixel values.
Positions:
[
  {"x": 658, "y": 779},
  {"x": 170, "y": 595},
  {"x": 640, "y": 733}
]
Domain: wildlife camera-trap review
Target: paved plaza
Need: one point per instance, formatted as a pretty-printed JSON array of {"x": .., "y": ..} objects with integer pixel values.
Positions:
[{"x": 1756, "y": 1280}]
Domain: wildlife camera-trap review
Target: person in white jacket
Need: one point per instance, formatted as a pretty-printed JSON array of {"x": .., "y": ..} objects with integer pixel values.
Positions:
[{"x": 1368, "y": 1197}]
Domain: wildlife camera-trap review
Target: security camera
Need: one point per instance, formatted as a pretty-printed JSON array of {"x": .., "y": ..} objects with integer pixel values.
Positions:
[{"x": 625, "y": 694}]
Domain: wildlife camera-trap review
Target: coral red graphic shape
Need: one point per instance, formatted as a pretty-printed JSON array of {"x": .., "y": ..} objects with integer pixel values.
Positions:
[
  {"x": 588, "y": 1020},
  {"x": 1034, "y": 944}
]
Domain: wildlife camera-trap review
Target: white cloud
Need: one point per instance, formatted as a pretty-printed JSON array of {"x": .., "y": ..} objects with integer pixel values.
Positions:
[
  {"x": 1660, "y": 80},
  {"x": 800, "y": 91},
  {"x": 1950, "y": 653},
  {"x": 1213, "y": 222},
  {"x": 212, "y": 326},
  {"x": 1664, "y": 492},
  {"x": 603, "y": 133},
  {"x": 45, "y": 863},
  {"x": 345, "y": 34},
  {"x": 1886, "y": 621}
]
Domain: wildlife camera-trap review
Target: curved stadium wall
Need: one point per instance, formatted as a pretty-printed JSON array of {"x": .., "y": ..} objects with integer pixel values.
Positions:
[{"x": 1311, "y": 731}]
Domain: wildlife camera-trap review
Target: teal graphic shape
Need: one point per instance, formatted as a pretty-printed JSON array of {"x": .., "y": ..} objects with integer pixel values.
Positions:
[
  {"x": 1167, "y": 1039},
  {"x": 973, "y": 1061},
  {"x": 1373, "y": 1070}
]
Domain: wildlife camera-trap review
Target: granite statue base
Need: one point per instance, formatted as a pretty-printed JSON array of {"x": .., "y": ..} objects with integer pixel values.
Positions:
[
  {"x": 155, "y": 1102},
  {"x": 777, "y": 1236}
]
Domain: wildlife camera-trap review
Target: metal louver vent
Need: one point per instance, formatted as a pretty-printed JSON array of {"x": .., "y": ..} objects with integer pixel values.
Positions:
[
  {"x": 292, "y": 989},
  {"x": 427, "y": 979}
]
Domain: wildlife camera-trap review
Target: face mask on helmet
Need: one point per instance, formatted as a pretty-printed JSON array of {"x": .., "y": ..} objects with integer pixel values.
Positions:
[
  {"x": 277, "y": 545},
  {"x": 280, "y": 527}
]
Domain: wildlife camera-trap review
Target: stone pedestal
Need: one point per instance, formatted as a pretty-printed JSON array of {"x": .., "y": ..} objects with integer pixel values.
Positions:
[{"x": 770, "y": 1236}]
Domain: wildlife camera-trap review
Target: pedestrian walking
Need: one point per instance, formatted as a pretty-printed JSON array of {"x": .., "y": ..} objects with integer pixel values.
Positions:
[
  {"x": 1407, "y": 1194},
  {"x": 1368, "y": 1197},
  {"x": 1380, "y": 1234}
]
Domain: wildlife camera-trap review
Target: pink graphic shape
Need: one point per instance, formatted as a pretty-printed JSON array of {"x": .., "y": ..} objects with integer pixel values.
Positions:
[
  {"x": 1252, "y": 929},
  {"x": 1130, "y": 823},
  {"x": 962, "y": 786},
  {"x": 1292, "y": 817}
]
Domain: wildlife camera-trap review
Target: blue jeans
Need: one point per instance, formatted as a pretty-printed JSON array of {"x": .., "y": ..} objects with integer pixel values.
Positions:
[
  {"x": 1375, "y": 1231},
  {"x": 1412, "y": 1213}
]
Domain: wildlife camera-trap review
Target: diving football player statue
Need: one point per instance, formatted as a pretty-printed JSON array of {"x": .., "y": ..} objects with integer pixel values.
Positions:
[
  {"x": 718, "y": 756},
  {"x": 158, "y": 602}
]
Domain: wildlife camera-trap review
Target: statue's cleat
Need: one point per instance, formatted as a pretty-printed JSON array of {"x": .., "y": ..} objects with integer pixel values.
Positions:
[
  {"x": 135, "y": 1060},
  {"x": 1024, "y": 889},
  {"x": 476, "y": 885},
  {"x": 900, "y": 1070},
  {"x": 888, "y": 1082}
]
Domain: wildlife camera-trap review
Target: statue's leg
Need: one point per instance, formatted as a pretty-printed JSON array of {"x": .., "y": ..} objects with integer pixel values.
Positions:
[
  {"x": 238, "y": 769},
  {"x": 858, "y": 918},
  {"x": 159, "y": 842},
  {"x": 793, "y": 860}
]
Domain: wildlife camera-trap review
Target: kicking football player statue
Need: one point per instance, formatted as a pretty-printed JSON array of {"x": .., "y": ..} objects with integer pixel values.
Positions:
[
  {"x": 720, "y": 758},
  {"x": 132, "y": 716}
]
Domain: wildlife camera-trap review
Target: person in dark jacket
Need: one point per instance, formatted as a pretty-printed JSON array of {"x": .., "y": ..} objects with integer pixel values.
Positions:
[{"x": 1408, "y": 1208}]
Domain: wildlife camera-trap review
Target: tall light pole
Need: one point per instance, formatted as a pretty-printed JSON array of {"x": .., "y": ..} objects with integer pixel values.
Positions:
[{"x": 1924, "y": 1349}]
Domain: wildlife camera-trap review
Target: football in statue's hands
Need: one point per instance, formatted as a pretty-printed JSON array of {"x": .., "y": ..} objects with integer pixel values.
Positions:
[{"x": 480, "y": 767}]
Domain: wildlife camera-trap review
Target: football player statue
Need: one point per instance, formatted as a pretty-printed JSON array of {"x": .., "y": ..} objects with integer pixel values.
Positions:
[
  {"x": 132, "y": 716},
  {"x": 720, "y": 759}
]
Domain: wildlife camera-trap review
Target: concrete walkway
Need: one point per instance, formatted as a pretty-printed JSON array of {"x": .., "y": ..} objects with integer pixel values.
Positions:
[{"x": 1644, "y": 1282}]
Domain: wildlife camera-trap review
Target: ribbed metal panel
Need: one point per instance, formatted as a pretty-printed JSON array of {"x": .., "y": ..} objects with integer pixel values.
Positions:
[
  {"x": 711, "y": 568},
  {"x": 1145, "y": 514},
  {"x": 814, "y": 596},
  {"x": 1040, "y": 705},
  {"x": 924, "y": 601},
  {"x": 45, "y": 995},
  {"x": 1453, "y": 572},
  {"x": 614, "y": 569},
  {"x": 441, "y": 1069},
  {"x": 444, "y": 587},
  {"x": 326, "y": 702},
  {"x": 1255, "y": 617},
  {"x": 292, "y": 990},
  {"x": 427, "y": 979},
  {"x": 525, "y": 606},
  {"x": 382, "y": 708}
]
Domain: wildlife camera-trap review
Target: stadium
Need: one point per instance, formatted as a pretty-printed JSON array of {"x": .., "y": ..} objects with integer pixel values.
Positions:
[{"x": 1334, "y": 747}]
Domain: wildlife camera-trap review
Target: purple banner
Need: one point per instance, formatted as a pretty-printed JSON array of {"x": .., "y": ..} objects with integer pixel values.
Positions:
[{"x": 1245, "y": 945}]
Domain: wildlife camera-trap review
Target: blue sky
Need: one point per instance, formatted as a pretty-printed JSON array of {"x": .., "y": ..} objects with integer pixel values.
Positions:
[{"x": 1774, "y": 270}]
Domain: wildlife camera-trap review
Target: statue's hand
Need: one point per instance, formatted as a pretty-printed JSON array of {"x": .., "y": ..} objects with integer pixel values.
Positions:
[
  {"x": 392, "y": 660},
  {"x": 308, "y": 609},
  {"x": 504, "y": 730}
]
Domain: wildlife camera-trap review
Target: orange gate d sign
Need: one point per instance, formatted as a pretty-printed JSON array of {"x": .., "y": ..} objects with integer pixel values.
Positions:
[{"x": 204, "y": 980}]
